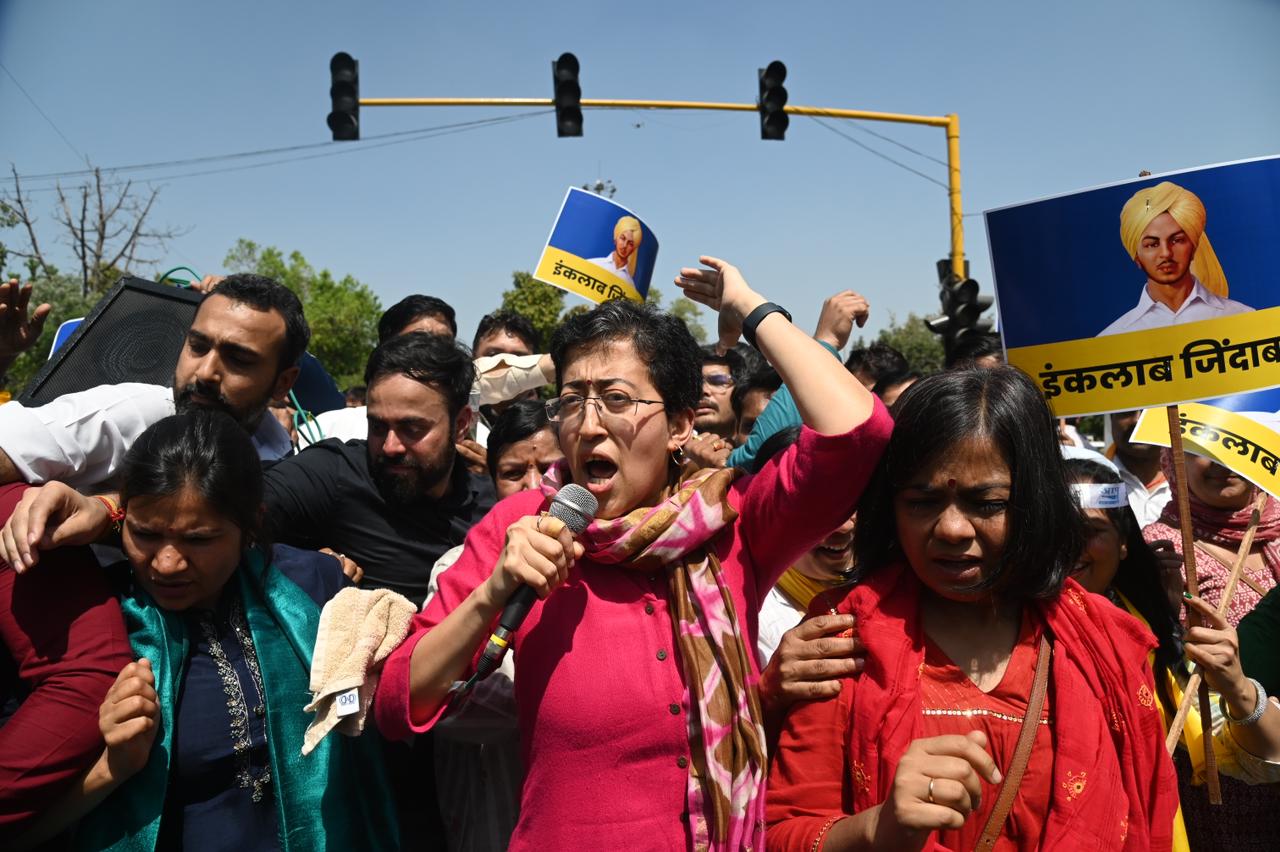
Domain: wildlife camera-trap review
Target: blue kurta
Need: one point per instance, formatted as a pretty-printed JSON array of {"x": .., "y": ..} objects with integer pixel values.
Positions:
[{"x": 220, "y": 782}]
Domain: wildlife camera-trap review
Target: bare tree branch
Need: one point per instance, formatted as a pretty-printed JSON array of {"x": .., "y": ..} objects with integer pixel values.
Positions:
[
  {"x": 139, "y": 218},
  {"x": 80, "y": 238},
  {"x": 18, "y": 205},
  {"x": 110, "y": 229}
]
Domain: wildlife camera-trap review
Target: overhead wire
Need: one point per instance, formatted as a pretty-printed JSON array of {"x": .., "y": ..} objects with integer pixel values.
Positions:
[
  {"x": 262, "y": 152},
  {"x": 857, "y": 125},
  {"x": 338, "y": 148},
  {"x": 43, "y": 114},
  {"x": 879, "y": 154}
]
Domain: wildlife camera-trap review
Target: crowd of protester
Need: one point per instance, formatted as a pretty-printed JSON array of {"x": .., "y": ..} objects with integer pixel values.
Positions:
[{"x": 823, "y": 602}]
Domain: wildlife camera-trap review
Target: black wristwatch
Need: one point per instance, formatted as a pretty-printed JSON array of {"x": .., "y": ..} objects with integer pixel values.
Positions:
[{"x": 753, "y": 319}]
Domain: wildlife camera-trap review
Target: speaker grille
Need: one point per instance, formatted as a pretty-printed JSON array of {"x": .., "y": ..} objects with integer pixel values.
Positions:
[{"x": 134, "y": 334}]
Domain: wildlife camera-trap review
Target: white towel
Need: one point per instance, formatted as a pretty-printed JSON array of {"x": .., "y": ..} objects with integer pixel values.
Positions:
[{"x": 358, "y": 631}]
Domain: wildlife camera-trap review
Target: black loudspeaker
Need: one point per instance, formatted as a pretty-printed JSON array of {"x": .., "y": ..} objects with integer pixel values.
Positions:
[{"x": 134, "y": 334}]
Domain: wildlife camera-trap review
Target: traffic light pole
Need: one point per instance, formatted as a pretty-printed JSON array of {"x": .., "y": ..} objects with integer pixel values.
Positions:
[{"x": 950, "y": 122}]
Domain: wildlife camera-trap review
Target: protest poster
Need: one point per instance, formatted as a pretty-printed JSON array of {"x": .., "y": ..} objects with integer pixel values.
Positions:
[
  {"x": 1247, "y": 444},
  {"x": 598, "y": 249},
  {"x": 1148, "y": 292}
]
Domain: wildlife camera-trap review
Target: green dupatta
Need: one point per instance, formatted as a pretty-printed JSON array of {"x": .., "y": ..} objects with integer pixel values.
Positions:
[{"x": 335, "y": 798}]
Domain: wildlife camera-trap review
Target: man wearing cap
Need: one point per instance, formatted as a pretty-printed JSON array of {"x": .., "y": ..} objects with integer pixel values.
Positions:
[{"x": 1162, "y": 228}]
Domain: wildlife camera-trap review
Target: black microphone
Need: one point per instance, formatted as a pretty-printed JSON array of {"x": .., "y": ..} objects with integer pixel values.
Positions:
[{"x": 575, "y": 506}]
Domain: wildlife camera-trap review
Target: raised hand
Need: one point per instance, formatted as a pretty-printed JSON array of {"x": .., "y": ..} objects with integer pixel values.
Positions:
[
  {"x": 49, "y": 516},
  {"x": 839, "y": 313},
  {"x": 721, "y": 287},
  {"x": 19, "y": 327}
]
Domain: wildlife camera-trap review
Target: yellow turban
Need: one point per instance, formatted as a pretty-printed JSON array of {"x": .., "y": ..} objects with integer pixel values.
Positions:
[
  {"x": 630, "y": 223},
  {"x": 1188, "y": 211}
]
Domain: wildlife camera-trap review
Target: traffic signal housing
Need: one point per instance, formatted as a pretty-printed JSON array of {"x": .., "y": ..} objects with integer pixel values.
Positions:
[
  {"x": 568, "y": 95},
  {"x": 772, "y": 101},
  {"x": 344, "y": 93},
  {"x": 962, "y": 308}
]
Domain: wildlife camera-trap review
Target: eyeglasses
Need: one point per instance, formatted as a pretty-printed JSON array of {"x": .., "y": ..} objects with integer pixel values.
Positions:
[
  {"x": 719, "y": 381},
  {"x": 572, "y": 406}
]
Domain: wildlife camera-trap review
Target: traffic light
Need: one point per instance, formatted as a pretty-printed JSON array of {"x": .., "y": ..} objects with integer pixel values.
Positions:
[
  {"x": 344, "y": 91},
  {"x": 773, "y": 99},
  {"x": 568, "y": 95},
  {"x": 962, "y": 307}
]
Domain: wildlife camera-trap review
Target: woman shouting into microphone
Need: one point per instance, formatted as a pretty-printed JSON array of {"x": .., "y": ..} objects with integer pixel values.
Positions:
[{"x": 640, "y": 722}]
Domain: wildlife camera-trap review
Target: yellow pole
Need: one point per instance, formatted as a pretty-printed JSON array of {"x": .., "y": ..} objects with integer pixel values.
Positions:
[
  {"x": 608, "y": 103},
  {"x": 953, "y": 189},
  {"x": 950, "y": 122}
]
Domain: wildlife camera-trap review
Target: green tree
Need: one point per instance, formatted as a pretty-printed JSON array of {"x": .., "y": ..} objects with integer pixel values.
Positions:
[
  {"x": 342, "y": 312},
  {"x": 543, "y": 305},
  {"x": 63, "y": 292},
  {"x": 921, "y": 347},
  {"x": 576, "y": 310},
  {"x": 539, "y": 303},
  {"x": 684, "y": 309}
]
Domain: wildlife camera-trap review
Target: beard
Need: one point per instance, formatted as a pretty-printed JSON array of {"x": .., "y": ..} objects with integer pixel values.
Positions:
[
  {"x": 184, "y": 400},
  {"x": 409, "y": 485}
]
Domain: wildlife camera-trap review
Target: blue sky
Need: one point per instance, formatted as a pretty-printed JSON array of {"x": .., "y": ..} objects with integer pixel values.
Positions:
[{"x": 1050, "y": 99}]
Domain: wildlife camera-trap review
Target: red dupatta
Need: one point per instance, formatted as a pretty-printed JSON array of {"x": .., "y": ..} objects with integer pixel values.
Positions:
[{"x": 1114, "y": 785}]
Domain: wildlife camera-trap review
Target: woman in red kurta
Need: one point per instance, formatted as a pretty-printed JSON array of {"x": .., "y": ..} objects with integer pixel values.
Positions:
[
  {"x": 636, "y": 694},
  {"x": 965, "y": 539}
]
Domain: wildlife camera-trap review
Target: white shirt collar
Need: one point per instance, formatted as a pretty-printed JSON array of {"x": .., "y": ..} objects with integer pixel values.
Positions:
[{"x": 1198, "y": 293}]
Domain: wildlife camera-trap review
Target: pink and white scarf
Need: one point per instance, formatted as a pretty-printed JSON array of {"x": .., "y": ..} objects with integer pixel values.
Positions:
[{"x": 726, "y": 734}]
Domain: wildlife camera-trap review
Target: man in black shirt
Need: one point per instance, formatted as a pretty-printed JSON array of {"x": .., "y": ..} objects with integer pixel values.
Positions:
[{"x": 395, "y": 502}]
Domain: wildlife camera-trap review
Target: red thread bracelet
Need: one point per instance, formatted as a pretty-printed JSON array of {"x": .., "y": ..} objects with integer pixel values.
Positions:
[{"x": 113, "y": 510}]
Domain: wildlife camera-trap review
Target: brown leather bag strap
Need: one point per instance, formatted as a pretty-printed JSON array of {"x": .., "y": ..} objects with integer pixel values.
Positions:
[{"x": 1021, "y": 754}]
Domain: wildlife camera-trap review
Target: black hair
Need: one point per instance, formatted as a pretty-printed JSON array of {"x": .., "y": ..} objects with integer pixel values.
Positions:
[
  {"x": 1138, "y": 577},
  {"x": 893, "y": 380},
  {"x": 878, "y": 359},
  {"x": 662, "y": 341},
  {"x": 731, "y": 359},
  {"x": 775, "y": 444},
  {"x": 761, "y": 380},
  {"x": 520, "y": 420},
  {"x": 968, "y": 350},
  {"x": 514, "y": 324},
  {"x": 264, "y": 294},
  {"x": 395, "y": 318},
  {"x": 356, "y": 393},
  {"x": 752, "y": 360},
  {"x": 207, "y": 450},
  {"x": 1045, "y": 532},
  {"x": 436, "y": 361}
]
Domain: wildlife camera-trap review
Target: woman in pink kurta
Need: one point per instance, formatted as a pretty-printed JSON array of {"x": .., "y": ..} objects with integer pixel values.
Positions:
[
  {"x": 1221, "y": 505},
  {"x": 639, "y": 720}
]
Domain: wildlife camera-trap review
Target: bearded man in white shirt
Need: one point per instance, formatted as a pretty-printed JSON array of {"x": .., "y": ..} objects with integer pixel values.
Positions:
[
  {"x": 1163, "y": 228},
  {"x": 241, "y": 351}
]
